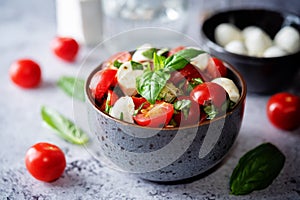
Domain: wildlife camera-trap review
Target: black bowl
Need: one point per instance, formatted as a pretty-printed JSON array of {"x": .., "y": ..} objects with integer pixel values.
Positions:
[{"x": 262, "y": 75}]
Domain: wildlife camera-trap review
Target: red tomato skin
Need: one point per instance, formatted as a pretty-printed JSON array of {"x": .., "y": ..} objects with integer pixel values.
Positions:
[
  {"x": 25, "y": 73},
  {"x": 138, "y": 101},
  {"x": 45, "y": 162},
  {"x": 65, "y": 48},
  {"x": 283, "y": 111},
  {"x": 209, "y": 91},
  {"x": 122, "y": 57},
  {"x": 101, "y": 82},
  {"x": 188, "y": 72},
  {"x": 160, "y": 120},
  {"x": 193, "y": 117},
  {"x": 175, "y": 50},
  {"x": 215, "y": 69}
]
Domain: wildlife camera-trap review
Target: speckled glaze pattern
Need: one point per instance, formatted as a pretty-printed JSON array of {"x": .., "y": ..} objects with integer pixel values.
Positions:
[{"x": 168, "y": 154}]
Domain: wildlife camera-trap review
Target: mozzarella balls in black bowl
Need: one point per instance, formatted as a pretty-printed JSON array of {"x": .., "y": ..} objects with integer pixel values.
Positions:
[{"x": 264, "y": 45}]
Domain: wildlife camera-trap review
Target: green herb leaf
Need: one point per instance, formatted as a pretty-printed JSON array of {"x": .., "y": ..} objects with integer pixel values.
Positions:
[
  {"x": 136, "y": 65},
  {"x": 181, "y": 58},
  {"x": 257, "y": 169},
  {"x": 64, "y": 127},
  {"x": 149, "y": 53},
  {"x": 158, "y": 62},
  {"x": 117, "y": 64},
  {"x": 182, "y": 104},
  {"x": 72, "y": 86},
  {"x": 150, "y": 84},
  {"x": 211, "y": 111}
]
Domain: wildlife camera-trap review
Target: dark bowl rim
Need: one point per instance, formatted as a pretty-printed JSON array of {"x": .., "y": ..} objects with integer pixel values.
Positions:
[
  {"x": 236, "y": 74},
  {"x": 218, "y": 48}
]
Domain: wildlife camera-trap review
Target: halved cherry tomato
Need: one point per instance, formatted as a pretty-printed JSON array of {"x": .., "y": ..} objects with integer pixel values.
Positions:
[
  {"x": 193, "y": 116},
  {"x": 157, "y": 115},
  {"x": 101, "y": 82},
  {"x": 25, "y": 73},
  {"x": 120, "y": 56},
  {"x": 175, "y": 50},
  {"x": 216, "y": 69},
  {"x": 209, "y": 92},
  {"x": 45, "y": 161},
  {"x": 188, "y": 72},
  {"x": 110, "y": 100},
  {"x": 138, "y": 101},
  {"x": 65, "y": 48},
  {"x": 283, "y": 111}
]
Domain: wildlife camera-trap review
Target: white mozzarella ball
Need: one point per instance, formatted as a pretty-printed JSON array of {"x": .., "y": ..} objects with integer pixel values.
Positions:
[
  {"x": 138, "y": 54},
  {"x": 288, "y": 39},
  {"x": 230, "y": 87},
  {"x": 237, "y": 47},
  {"x": 123, "y": 109},
  {"x": 225, "y": 33},
  {"x": 246, "y": 32},
  {"x": 274, "y": 51},
  {"x": 257, "y": 42}
]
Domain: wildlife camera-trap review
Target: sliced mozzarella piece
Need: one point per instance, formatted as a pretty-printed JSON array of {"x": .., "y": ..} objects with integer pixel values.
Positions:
[
  {"x": 274, "y": 51},
  {"x": 201, "y": 61},
  {"x": 230, "y": 88},
  {"x": 126, "y": 77},
  {"x": 288, "y": 38},
  {"x": 237, "y": 47},
  {"x": 138, "y": 54},
  {"x": 225, "y": 33},
  {"x": 123, "y": 109}
]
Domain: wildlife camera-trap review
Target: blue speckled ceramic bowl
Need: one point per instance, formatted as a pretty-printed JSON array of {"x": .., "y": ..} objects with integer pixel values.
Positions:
[{"x": 166, "y": 154}]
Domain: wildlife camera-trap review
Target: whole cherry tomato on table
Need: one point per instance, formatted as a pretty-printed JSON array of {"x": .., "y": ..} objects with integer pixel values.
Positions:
[
  {"x": 65, "y": 48},
  {"x": 209, "y": 92},
  {"x": 45, "y": 161},
  {"x": 25, "y": 73},
  {"x": 283, "y": 110},
  {"x": 157, "y": 115}
]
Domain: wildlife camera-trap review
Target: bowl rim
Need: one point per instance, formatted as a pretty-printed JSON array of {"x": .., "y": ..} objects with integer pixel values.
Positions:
[
  {"x": 215, "y": 46},
  {"x": 236, "y": 74}
]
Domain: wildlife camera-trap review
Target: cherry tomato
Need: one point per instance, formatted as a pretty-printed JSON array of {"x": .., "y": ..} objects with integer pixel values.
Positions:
[
  {"x": 193, "y": 116},
  {"x": 216, "y": 69},
  {"x": 209, "y": 92},
  {"x": 138, "y": 101},
  {"x": 157, "y": 115},
  {"x": 283, "y": 110},
  {"x": 120, "y": 56},
  {"x": 65, "y": 48},
  {"x": 45, "y": 161},
  {"x": 188, "y": 72},
  {"x": 175, "y": 50},
  {"x": 101, "y": 82},
  {"x": 25, "y": 73}
]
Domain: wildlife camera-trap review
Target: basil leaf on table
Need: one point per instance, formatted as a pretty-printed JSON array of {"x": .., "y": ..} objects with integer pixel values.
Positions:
[
  {"x": 64, "y": 127},
  {"x": 257, "y": 169},
  {"x": 150, "y": 84},
  {"x": 72, "y": 86}
]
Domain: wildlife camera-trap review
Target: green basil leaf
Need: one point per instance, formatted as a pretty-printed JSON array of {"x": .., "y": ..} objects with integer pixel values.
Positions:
[
  {"x": 136, "y": 65},
  {"x": 150, "y": 84},
  {"x": 72, "y": 86},
  {"x": 149, "y": 53},
  {"x": 181, "y": 58},
  {"x": 158, "y": 62},
  {"x": 211, "y": 111},
  {"x": 117, "y": 64},
  {"x": 64, "y": 127},
  {"x": 182, "y": 104},
  {"x": 257, "y": 169}
]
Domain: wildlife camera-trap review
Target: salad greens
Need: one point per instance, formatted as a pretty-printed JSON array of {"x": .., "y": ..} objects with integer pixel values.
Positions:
[
  {"x": 64, "y": 127},
  {"x": 72, "y": 86},
  {"x": 257, "y": 169},
  {"x": 150, "y": 84}
]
